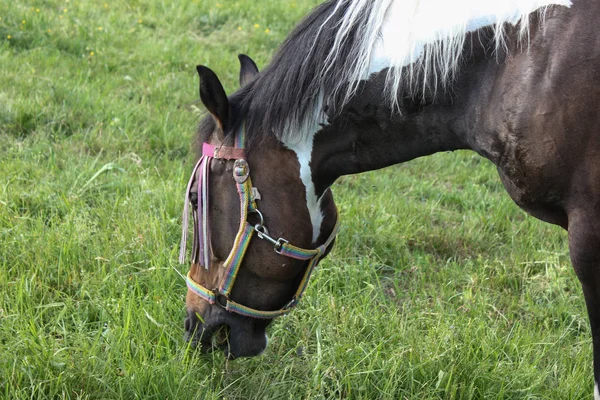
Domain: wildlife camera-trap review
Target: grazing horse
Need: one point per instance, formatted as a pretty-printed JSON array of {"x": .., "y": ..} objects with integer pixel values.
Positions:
[{"x": 364, "y": 84}]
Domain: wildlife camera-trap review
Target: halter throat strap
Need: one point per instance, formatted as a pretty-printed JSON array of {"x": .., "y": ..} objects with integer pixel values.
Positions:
[{"x": 248, "y": 196}]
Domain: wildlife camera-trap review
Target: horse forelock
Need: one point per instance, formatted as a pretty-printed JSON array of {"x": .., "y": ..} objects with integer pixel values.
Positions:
[{"x": 419, "y": 42}]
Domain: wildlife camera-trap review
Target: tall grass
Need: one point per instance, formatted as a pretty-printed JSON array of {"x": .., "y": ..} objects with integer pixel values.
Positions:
[{"x": 438, "y": 288}]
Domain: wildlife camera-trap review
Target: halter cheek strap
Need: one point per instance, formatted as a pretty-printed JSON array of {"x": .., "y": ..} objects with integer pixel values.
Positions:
[{"x": 201, "y": 245}]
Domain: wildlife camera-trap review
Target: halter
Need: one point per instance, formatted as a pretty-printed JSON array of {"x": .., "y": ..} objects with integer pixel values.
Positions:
[{"x": 248, "y": 196}]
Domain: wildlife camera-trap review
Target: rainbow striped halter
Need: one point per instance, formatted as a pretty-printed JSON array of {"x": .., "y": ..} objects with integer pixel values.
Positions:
[{"x": 248, "y": 196}]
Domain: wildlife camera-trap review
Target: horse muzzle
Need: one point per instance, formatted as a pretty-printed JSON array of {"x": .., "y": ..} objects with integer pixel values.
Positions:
[{"x": 236, "y": 336}]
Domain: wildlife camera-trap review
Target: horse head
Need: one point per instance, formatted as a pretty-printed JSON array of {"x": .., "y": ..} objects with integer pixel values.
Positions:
[{"x": 254, "y": 240}]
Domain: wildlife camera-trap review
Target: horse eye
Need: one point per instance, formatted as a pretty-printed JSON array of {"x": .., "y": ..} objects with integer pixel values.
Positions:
[{"x": 194, "y": 198}]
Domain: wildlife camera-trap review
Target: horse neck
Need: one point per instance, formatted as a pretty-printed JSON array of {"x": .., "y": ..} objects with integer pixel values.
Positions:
[{"x": 367, "y": 134}]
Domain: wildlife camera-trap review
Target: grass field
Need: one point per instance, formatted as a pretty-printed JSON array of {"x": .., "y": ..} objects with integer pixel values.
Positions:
[{"x": 439, "y": 287}]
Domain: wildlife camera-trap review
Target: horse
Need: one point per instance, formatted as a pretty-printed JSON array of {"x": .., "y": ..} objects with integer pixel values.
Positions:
[{"x": 360, "y": 85}]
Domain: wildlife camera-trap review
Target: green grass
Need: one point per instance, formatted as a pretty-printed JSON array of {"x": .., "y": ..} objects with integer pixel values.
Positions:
[{"x": 438, "y": 288}]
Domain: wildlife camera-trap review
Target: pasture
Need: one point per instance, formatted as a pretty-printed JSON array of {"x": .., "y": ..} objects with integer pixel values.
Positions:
[{"x": 439, "y": 287}]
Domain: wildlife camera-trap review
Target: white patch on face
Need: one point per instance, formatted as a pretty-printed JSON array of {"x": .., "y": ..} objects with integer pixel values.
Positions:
[
  {"x": 303, "y": 150},
  {"x": 596, "y": 392},
  {"x": 411, "y": 25}
]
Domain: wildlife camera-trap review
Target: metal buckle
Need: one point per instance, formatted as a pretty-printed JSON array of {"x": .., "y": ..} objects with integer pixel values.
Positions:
[{"x": 241, "y": 171}]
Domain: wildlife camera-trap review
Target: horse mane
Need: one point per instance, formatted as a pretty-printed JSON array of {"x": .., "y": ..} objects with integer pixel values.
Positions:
[{"x": 323, "y": 60}]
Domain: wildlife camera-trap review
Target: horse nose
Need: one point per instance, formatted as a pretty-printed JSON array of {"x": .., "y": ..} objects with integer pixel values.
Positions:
[{"x": 204, "y": 334}]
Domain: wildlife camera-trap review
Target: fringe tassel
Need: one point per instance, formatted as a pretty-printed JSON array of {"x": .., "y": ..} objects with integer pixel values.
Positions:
[
  {"x": 185, "y": 217},
  {"x": 204, "y": 230}
]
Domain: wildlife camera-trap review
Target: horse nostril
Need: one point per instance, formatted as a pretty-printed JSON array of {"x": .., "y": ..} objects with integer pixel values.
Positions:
[
  {"x": 191, "y": 322},
  {"x": 192, "y": 326}
]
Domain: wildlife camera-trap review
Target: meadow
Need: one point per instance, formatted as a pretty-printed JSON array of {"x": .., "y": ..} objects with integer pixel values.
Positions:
[{"x": 439, "y": 287}]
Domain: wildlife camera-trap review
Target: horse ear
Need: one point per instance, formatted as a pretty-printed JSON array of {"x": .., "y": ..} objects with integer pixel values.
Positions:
[
  {"x": 213, "y": 96},
  {"x": 248, "y": 69}
]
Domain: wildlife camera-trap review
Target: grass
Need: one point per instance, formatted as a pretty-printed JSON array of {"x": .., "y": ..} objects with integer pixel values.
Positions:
[{"x": 438, "y": 288}]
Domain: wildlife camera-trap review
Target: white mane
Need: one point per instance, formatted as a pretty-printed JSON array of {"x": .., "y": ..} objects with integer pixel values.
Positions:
[
  {"x": 419, "y": 42},
  {"x": 426, "y": 35}
]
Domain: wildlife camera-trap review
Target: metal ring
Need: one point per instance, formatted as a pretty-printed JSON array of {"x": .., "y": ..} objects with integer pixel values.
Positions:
[
  {"x": 262, "y": 220},
  {"x": 221, "y": 300}
]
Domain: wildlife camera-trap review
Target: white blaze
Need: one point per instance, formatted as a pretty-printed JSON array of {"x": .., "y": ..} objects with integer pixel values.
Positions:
[{"x": 303, "y": 149}]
